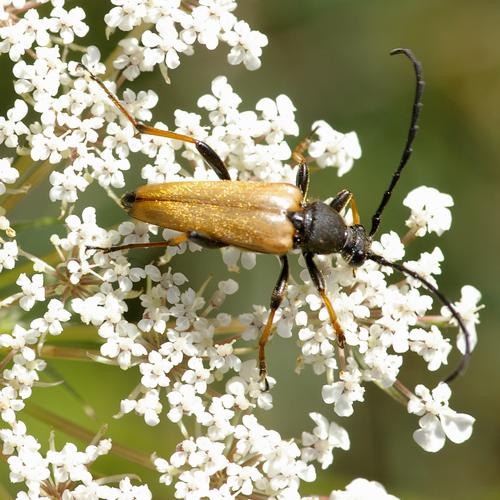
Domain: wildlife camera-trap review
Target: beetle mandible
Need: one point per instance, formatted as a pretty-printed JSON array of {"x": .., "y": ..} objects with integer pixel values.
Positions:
[{"x": 271, "y": 218}]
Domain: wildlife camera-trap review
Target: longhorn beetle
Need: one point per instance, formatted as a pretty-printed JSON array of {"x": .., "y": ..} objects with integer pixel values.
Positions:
[{"x": 271, "y": 218}]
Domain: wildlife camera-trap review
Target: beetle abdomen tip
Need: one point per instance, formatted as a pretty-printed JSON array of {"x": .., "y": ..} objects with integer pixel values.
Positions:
[{"x": 128, "y": 199}]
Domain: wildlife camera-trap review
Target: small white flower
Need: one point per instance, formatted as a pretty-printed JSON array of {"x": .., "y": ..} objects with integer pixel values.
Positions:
[
  {"x": 8, "y": 255},
  {"x": 128, "y": 490},
  {"x": 127, "y": 14},
  {"x": 69, "y": 464},
  {"x": 242, "y": 479},
  {"x": 279, "y": 116},
  {"x": 150, "y": 407},
  {"x": 197, "y": 375},
  {"x": 362, "y": 489},
  {"x": 29, "y": 465},
  {"x": 431, "y": 346},
  {"x": 122, "y": 343},
  {"x": 109, "y": 170},
  {"x": 65, "y": 186},
  {"x": 326, "y": 436},
  {"x": 438, "y": 421},
  {"x": 155, "y": 371},
  {"x": 429, "y": 210},
  {"x": 51, "y": 321},
  {"x": 164, "y": 46},
  {"x": 382, "y": 366},
  {"x": 69, "y": 23},
  {"x": 32, "y": 289},
  {"x": 334, "y": 148},
  {"x": 10, "y": 403},
  {"x": 468, "y": 307},
  {"x": 10, "y": 130},
  {"x": 184, "y": 401},
  {"x": 131, "y": 59},
  {"x": 246, "y": 45},
  {"x": 8, "y": 174},
  {"x": 19, "y": 341},
  {"x": 223, "y": 104},
  {"x": 390, "y": 247},
  {"x": 343, "y": 394},
  {"x": 428, "y": 265}
]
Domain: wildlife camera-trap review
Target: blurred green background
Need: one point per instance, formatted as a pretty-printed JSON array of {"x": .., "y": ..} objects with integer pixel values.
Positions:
[{"x": 331, "y": 58}]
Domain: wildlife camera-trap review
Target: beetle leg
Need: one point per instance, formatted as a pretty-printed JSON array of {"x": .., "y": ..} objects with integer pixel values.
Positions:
[
  {"x": 276, "y": 299},
  {"x": 302, "y": 180},
  {"x": 177, "y": 240},
  {"x": 319, "y": 282},
  {"x": 205, "y": 241},
  {"x": 298, "y": 152},
  {"x": 342, "y": 199},
  {"x": 208, "y": 154}
]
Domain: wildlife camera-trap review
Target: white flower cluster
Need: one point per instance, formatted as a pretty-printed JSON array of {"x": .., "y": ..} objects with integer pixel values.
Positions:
[
  {"x": 46, "y": 474},
  {"x": 429, "y": 211},
  {"x": 176, "y": 27},
  {"x": 182, "y": 341},
  {"x": 277, "y": 466}
]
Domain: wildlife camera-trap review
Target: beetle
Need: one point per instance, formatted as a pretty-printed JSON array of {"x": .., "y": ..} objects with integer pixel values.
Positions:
[{"x": 271, "y": 218}]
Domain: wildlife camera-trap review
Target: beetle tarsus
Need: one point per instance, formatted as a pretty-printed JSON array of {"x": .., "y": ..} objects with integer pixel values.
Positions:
[{"x": 276, "y": 299}]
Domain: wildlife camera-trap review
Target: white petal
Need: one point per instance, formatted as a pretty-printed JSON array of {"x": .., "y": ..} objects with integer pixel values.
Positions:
[
  {"x": 457, "y": 426},
  {"x": 330, "y": 393},
  {"x": 431, "y": 436}
]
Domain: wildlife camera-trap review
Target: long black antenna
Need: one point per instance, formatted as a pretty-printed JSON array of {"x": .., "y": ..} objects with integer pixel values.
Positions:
[
  {"x": 412, "y": 132},
  {"x": 403, "y": 269}
]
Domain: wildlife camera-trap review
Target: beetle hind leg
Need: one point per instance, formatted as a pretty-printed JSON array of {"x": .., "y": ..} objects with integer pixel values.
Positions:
[
  {"x": 276, "y": 299},
  {"x": 319, "y": 283}
]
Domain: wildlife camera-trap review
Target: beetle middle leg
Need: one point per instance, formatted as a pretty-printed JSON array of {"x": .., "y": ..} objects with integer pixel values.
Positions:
[
  {"x": 319, "y": 282},
  {"x": 276, "y": 299},
  {"x": 208, "y": 154},
  {"x": 342, "y": 199}
]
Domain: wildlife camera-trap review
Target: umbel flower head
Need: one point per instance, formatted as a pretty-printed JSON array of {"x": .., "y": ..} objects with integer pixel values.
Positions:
[{"x": 195, "y": 363}]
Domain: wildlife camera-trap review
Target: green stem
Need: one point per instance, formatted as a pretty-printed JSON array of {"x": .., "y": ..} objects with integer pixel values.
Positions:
[
  {"x": 68, "y": 353},
  {"x": 32, "y": 180}
]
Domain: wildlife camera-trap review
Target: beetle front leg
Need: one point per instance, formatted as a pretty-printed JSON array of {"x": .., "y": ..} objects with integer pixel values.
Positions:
[
  {"x": 208, "y": 154},
  {"x": 319, "y": 282},
  {"x": 212, "y": 159},
  {"x": 276, "y": 299}
]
